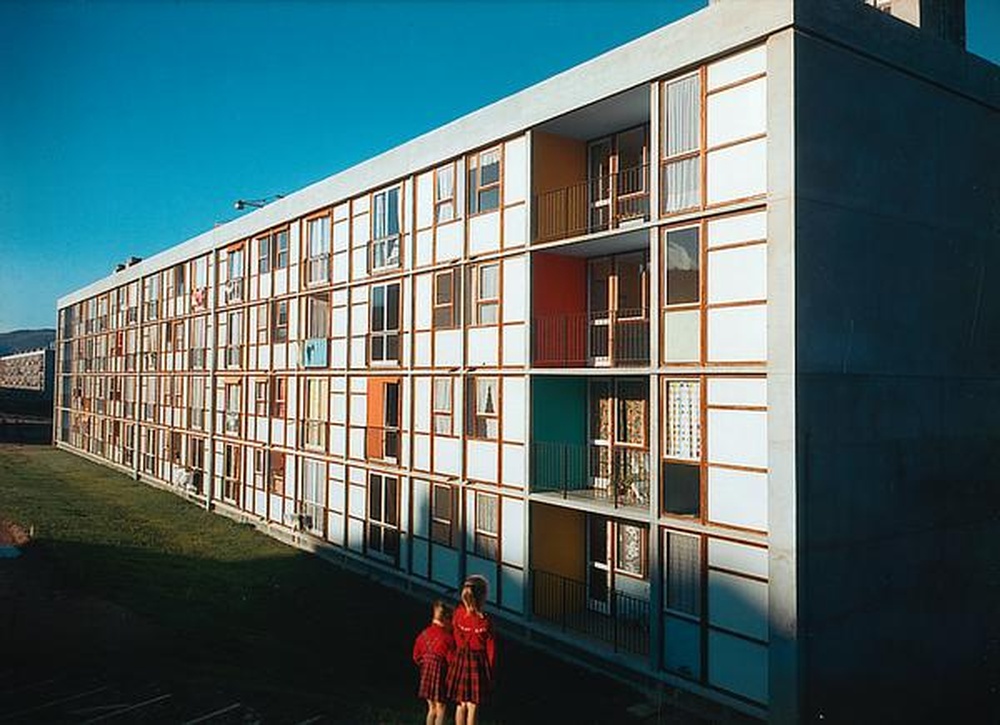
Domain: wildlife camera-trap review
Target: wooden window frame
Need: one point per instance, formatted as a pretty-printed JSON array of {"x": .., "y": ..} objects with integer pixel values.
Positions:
[
  {"x": 479, "y": 302},
  {"x": 381, "y": 523},
  {"x": 442, "y": 202},
  {"x": 475, "y": 192},
  {"x": 386, "y": 239},
  {"x": 261, "y": 402},
  {"x": 443, "y": 413},
  {"x": 697, "y": 153},
  {"x": 320, "y": 261},
  {"x": 279, "y": 327},
  {"x": 279, "y": 397},
  {"x": 643, "y": 554},
  {"x": 481, "y": 536},
  {"x": 385, "y": 333},
  {"x": 474, "y": 417},
  {"x": 444, "y": 315},
  {"x": 443, "y": 528},
  {"x": 276, "y": 473}
]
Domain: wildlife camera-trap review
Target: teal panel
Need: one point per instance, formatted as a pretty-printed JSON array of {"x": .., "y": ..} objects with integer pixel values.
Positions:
[{"x": 559, "y": 410}]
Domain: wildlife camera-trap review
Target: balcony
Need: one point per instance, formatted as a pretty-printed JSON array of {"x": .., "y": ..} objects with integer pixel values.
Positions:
[
  {"x": 598, "y": 204},
  {"x": 594, "y": 339},
  {"x": 616, "y": 475},
  {"x": 612, "y": 618}
]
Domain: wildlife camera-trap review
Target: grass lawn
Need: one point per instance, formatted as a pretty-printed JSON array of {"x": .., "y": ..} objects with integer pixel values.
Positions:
[{"x": 212, "y": 612}]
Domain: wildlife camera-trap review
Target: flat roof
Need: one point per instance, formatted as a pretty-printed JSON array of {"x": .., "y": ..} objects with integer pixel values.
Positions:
[{"x": 706, "y": 33}]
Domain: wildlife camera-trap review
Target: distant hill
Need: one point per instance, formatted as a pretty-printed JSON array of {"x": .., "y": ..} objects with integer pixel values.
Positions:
[{"x": 20, "y": 340}]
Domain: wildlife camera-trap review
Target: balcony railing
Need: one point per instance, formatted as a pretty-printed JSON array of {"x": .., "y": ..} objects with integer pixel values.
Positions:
[
  {"x": 618, "y": 620},
  {"x": 615, "y": 474},
  {"x": 618, "y": 337},
  {"x": 596, "y": 205}
]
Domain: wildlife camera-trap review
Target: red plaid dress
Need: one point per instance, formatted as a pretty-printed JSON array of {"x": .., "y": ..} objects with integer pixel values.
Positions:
[
  {"x": 432, "y": 651},
  {"x": 470, "y": 677}
]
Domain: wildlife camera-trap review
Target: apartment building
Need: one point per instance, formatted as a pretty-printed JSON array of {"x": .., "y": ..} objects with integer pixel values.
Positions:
[{"x": 646, "y": 345}]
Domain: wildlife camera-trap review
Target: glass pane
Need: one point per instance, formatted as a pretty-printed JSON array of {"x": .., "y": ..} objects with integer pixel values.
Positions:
[
  {"x": 442, "y": 288},
  {"x": 489, "y": 199},
  {"x": 489, "y": 282},
  {"x": 682, "y": 267},
  {"x": 681, "y": 489},
  {"x": 391, "y": 417},
  {"x": 392, "y": 212},
  {"x": 486, "y": 396},
  {"x": 631, "y": 271},
  {"x": 445, "y": 182},
  {"x": 392, "y": 307},
  {"x": 600, "y": 410},
  {"x": 391, "y": 501},
  {"x": 488, "y": 313},
  {"x": 683, "y": 420},
  {"x": 632, "y": 412},
  {"x": 486, "y": 513},
  {"x": 489, "y": 164},
  {"x": 630, "y": 548},
  {"x": 378, "y": 309},
  {"x": 442, "y": 503},
  {"x": 473, "y": 190},
  {"x": 600, "y": 274},
  {"x": 442, "y": 395},
  {"x": 683, "y": 574},
  {"x": 681, "y": 184},
  {"x": 375, "y": 498},
  {"x": 379, "y": 222},
  {"x": 682, "y": 112}
]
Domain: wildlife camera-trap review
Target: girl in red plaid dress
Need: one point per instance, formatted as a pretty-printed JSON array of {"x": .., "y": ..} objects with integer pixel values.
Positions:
[
  {"x": 432, "y": 652},
  {"x": 470, "y": 678}
]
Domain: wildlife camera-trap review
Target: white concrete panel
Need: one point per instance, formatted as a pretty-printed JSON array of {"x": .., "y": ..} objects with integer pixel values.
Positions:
[
  {"x": 737, "y": 172},
  {"x": 450, "y": 238},
  {"x": 335, "y": 528},
  {"x": 737, "y": 557},
  {"x": 481, "y": 460},
  {"x": 421, "y": 558},
  {"x": 514, "y": 281},
  {"x": 277, "y": 430},
  {"x": 486, "y": 569},
  {"x": 514, "y": 226},
  {"x": 513, "y": 412},
  {"x": 359, "y": 352},
  {"x": 359, "y": 263},
  {"x": 359, "y": 319},
  {"x": 424, "y": 252},
  {"x": 283, "y": 354},
  {"x": 422, "y": 404},
  {"x": 736, "y": 67},
  {"x": 340, "y": 267},
  {"x": 737, "y": 391},
  {"x": 359, "y": 409},
  {"x": 448, "y": 456},
  {"x": 425, "y": 200},
  {"x": 448, "y": 348},
  {"x": 514, "y": 349},
  {"x": 356, "y": 535},
  {"x": 737, "y": 437},
  {"x": 737, "y": 498},
  {"x": 444, "y": 565},
  {"x": 341, "y": 236},
  {"x": 356, "y": 501},
  {"x": 421, "y": 508},
  {"x": 356, "y": 443},
  {"x": 737, "y": 334},
  {"x": 515, "y": 170},
  {"x": 359, "y": 384},
  {"x": 422, "y": 452},
  {"x": 360, "y": 228},
  {"x": 341, "y": 212},
  {"x": 483, "y": 347},
  {"x": 512, "y": 588},
  {"x": 358, "y": 476},
  {"x": 737, "y": 113},
  {"x": 512, "y": 530},
  {"x": 424, "y": 302},
  {"x": 738, "y": 274},
  {"x": 484, "y": 233},
  {"x": 682, "y": 336},
  {"x": 737, "y": 665},
  {"x": 514, "y": 465},
  {"x": 422, "y": 351},
  {"x": 338, "y": 319},
  {"x": 277, "y": 509},
  {"x": 338, "y": 353},
  {"x": 337, "y": 495},
  {"x": 338, "y": 440},
  {"x": 681, "y": 646}
]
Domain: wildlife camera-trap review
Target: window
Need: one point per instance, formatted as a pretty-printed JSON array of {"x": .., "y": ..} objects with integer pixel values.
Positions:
[
  {"x": 442, "y": 406},
  {"x": 262, "y": 324},
  {"x": 279, "y": 387},
  {"x": 484, "y": 408},
  {"x": 260, "y": 397},
  {"x": 383, "y": 515},
  {"x": 196, "y": 403},
  {"x": 318, "y": 250},
  {"x": 233, "y": 291},
  {"x": 630, "y": 550},
  {"x": 199, "y": 342},
  {"x": 232, "y": 401},
  {"x": 317, "y": 317},
  {"x": 445, "y": 300},
  {"x": 316, "y": 396},
  {"x": 231, "y": 473},
  {"x": 384, "y": 337},
  {"x": 234, "y": 339},
  {"x": 179, "y": 286},
  {"x": 279, "y": 242},
  {"x": 279, "y": 321},
  {"x": 276, "y": 481},
  {"x": 177, "y": 335},
  {"x": 683, "y": 263},
  {"x": 263, "y": 255},
  {"x": 444, "y": 505},
  {"x": 487, "y": 294},
  {"x": 631, "y": 428},
  {"x": 383, "y": 418},
  {"x": 311, "y": 508},
  {"x": 487, "y": 530},
  {"x": 682, "y": 448},
  {"x": 680, "y": 175},
  {"x": 444, "y": 193},
  {"x": 484, "y": 181},
  {"x": 199, "y": 291},
  {"x": 682, "y": 573},
  {"x": 385, "y": 229}
]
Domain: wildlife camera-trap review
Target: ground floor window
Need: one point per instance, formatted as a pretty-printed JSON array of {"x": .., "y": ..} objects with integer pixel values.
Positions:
[{"x": 383, "y": 515}]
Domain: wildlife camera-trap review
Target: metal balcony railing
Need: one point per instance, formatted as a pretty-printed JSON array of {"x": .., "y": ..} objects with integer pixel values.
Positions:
[
  {"x": 616, "y": 619},
  {"x": 610, "y": 473},
  {"x": 596, "y": 205},
  {"x": 617, "y": 337}
]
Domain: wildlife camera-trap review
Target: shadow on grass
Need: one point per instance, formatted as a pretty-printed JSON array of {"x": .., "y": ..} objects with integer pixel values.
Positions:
[{"x": 291, "y": 634}]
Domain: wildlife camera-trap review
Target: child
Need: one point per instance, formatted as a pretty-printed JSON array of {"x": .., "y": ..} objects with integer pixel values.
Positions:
[
  {"x": 432, "y": 652},
  {"x": 471, "y": 675}
]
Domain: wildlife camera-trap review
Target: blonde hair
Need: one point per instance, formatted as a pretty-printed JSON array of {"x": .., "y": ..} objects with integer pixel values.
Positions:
[{"x": 474, "y": 593}]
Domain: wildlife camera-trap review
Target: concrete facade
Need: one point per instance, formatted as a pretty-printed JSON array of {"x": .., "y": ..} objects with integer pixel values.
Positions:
[{"x": 745, "y": 446}]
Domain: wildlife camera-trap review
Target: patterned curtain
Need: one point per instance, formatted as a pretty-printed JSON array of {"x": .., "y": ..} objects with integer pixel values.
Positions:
[{"x": 683, "y": 419}]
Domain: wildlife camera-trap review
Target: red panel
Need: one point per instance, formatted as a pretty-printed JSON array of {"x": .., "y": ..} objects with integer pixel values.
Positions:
[{"x": 559, "y": 287}]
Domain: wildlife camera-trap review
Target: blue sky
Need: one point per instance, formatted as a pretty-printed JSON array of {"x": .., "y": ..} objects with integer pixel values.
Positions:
[{"x": 126, "y": 128}]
